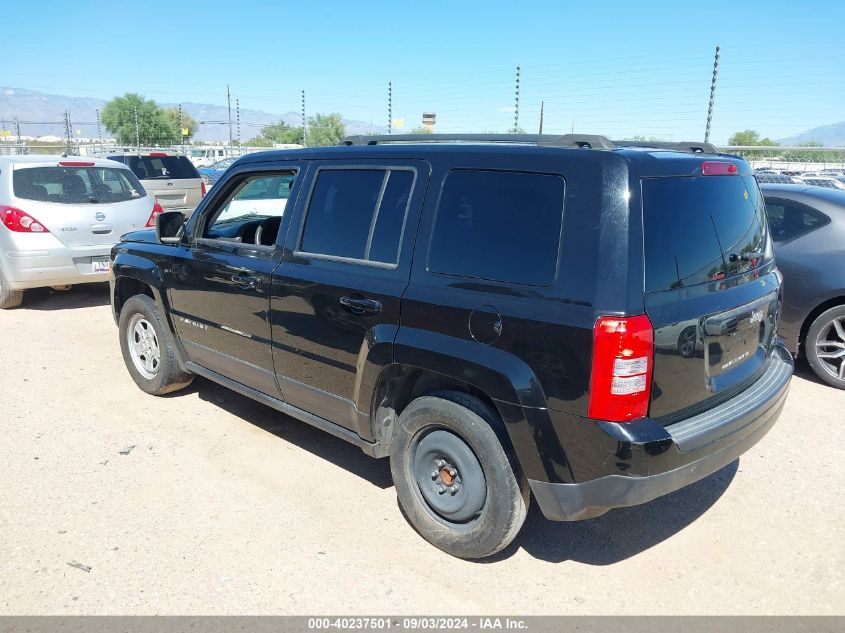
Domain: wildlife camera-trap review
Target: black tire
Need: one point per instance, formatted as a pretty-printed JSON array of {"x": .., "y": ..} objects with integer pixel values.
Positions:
[
  {"x": 824, "y": 328},
  {"x": 9, "y": 298},
  {"x": 158, "y": 378},
  {"x": 452, "y": 426}
]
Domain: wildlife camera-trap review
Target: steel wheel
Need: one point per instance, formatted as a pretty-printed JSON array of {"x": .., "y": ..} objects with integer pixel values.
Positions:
[
  {"x": 143, "y": 346},
  {"x": 830, "y": 347},
  {"x": 449, "y": 478}
]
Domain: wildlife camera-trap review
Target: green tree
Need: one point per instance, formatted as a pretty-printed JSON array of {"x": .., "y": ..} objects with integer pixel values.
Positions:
[
  {"x": 151, "y": 127},
  {"x": 172, "y": 116},
  {"x": 749, "y": 137},
  {"x": 325, "y": 129},
  {"x": 421, "y": 130},
  {"x": 281, "y": 132},
  {"x": 516, "y": 130}
]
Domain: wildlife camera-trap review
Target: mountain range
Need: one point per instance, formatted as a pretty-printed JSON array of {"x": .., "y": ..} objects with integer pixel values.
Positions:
[
  {"x": 42, "y": 114},
  {"x": 832, "y": 135}
]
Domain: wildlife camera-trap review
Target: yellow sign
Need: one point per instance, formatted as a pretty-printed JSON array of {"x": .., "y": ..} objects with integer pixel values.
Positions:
[
  {"x": 186, "y": 131},
  {"x": 5, "y": 133},
  {"x": 398, "y": 123}
]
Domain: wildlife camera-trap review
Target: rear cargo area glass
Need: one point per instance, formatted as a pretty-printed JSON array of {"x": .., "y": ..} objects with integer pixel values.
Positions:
[
  {"x": 701, "y": 229},
  {"x": 76, "y": 185}
]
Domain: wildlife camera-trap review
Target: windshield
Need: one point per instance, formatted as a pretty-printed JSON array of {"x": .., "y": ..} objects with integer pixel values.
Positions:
[
  {"x": 701, "y": 229},
  {"x": 160, "y": 167},
  {"x": 74, "y": 185}
]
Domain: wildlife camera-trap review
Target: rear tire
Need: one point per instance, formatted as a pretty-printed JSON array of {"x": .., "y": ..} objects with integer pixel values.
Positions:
[
  {"x": 455, "y": 477},
  {"x": 825, "y": 346},
  {"x": 147, "y": 348},
  {"x": 8, "y": 298}
]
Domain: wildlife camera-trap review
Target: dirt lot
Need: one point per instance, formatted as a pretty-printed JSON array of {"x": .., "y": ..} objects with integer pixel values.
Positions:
[{"x": 206, "y": 502}]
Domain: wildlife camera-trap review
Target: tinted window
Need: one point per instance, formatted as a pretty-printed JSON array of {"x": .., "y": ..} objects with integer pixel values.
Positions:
[
  {"x": 357, "y": 213},
  {"x": 693, "y": 227},
  {"x": 503, "y": 226},
  {"x": 788, "y": 219},
  {"x": 384, "y": 246},
  {"x": 160, "y": 167},
  {"x": 75, "y": 185}
]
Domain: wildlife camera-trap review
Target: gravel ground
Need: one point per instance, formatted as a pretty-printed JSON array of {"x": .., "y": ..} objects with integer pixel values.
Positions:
[{"x": 205, "y": 502}]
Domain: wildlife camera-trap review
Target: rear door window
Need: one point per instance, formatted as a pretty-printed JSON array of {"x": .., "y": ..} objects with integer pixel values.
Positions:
[
  {"x": 701, "y": 229},
  {"x": 789, "y": 219},
  {"x": 358, "y": 214},
  {"x": 76, "y": 185},
  {"x": 501, "y": 226}
]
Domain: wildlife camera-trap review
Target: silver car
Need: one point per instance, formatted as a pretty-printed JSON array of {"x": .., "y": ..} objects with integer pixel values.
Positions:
[
  {"x": 170, "y": 178},
  {"x": 60, "y": 217}
]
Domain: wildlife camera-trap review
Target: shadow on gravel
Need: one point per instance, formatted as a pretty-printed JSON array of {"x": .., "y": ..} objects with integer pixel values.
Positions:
[
  {"x": 320, "y": 443},
  {"x": 81, "y": 296},
  {"x": 608, "y": 539},
  {"x": 620, "y": 533}
]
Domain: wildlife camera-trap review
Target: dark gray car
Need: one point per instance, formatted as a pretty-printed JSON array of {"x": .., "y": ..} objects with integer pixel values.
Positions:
[{"x": 808, "y": 229}]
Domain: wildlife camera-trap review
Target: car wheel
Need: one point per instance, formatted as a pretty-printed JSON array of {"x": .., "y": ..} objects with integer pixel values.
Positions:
[
  {"x": 825, "y": 345},
  {"x": 456, "y": 481},
  {"x": 63, "y": 288},
  {"x": 687, "y": 341},
  {"x": 147, "y": 349},
  {"x": 9, "y": 298}
]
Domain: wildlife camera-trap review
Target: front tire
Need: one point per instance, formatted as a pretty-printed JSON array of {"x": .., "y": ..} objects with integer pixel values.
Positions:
[
  {"x": 825, "y": 345},
  {"x": 9, "y": 298},
  {"x": 456, "y": 481},
  {"x": 147, "y": 349}
]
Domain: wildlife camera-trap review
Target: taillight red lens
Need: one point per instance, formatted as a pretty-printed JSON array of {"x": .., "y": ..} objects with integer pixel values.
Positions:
[
  {"x": 158, "y": 154},
  {"x": 202, "y": 188},
  {"x": 156, "y": 210},
  {"x": 717, "y": 168},
  {"x": 623, "y": 360},
  {"x": 19, "y": 221},
  {"x": 75, "y": 163}
]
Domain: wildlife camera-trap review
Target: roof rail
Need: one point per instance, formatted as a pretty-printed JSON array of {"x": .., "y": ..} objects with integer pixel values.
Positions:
[
  {"x": 584, "y": 141},
  {"x": 693, "y": 147}
]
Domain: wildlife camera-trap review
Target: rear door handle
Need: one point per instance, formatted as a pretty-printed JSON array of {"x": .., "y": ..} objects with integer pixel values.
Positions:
[
  {"x": 360, "y": 305},
  {"x": 243, "y": 280}
]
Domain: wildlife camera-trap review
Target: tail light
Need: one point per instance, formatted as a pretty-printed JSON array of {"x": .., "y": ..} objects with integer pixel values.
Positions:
[
  {"x": 623, "y": 360},
  {"x": 202, "y": 188},
  {"x": 717, "y": 168},
  {"x": 19, "y": 221},
  {"x": 156, "y": 211}
]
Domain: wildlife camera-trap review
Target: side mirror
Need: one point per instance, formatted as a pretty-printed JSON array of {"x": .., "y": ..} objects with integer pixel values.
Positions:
[{"x": 169, "y": 227}]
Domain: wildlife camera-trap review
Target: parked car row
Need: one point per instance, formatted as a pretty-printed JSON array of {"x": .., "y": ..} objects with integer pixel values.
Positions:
[{"x": 831, "y": 179}]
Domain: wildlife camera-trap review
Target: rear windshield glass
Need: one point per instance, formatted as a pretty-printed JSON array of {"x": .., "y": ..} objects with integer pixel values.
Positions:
[
  {"x": 74, "y": 185},
  {"x": 701, "y": 229},
  {"x": 160, "y": 167}
]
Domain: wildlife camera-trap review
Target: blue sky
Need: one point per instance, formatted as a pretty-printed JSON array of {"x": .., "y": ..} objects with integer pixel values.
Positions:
[{"x": 618, "y": 68}]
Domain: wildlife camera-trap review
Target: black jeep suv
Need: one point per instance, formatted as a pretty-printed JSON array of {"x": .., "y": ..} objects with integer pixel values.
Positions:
[{"x": 589, "y": 322}]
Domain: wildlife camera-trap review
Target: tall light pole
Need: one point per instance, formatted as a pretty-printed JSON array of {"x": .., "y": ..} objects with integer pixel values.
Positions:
[{"x": 712, "y": 96}]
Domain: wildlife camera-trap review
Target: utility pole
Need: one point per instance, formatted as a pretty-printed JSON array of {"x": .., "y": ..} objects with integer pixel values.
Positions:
[
  {"x": 137, "y": 130},
  {"x": 304, "y": 130},
  {"x": 229, "y": 106},
  {"x": 70, "y": 150},
  {"x": 181, "y": 129},
  {"x": 390, "y": 107},
  {"x": 99, "y": 129},
  {"x": 238, "y": 119},
  {"x": 17, "y": 130},
  {"x": 542, "y": 103},
  {"x": 516, "y": 104},
  {"x": 712, "y": 96}
]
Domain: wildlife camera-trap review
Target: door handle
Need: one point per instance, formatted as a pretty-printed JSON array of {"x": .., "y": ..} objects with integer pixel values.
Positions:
[
  {"x": 243, "y": 280},
  {"x": 360, "y": 305}
]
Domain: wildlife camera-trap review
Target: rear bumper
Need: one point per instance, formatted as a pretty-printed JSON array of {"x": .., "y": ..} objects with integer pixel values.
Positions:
[
  {"x": 675, "y": 456},
  {"x": 52, "y": 266}
]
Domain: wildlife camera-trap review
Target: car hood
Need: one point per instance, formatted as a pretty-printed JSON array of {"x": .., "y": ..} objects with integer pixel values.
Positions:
[{"x": 145, "y": 236}]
